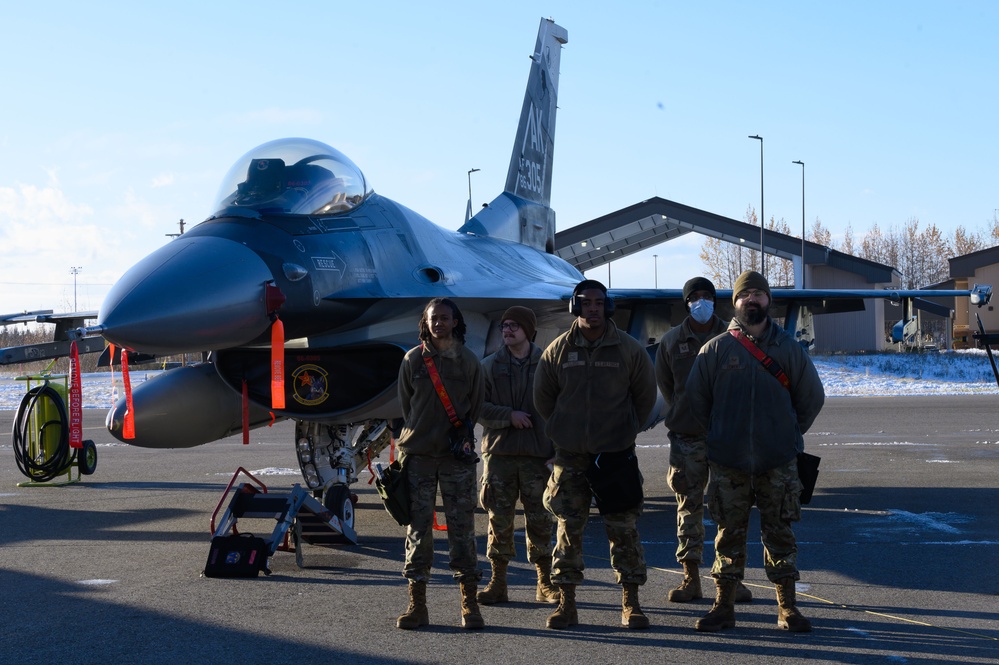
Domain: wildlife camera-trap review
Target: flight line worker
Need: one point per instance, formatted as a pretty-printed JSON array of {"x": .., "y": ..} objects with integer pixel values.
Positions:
[
  {"x": 515, "y": 453},
  {"x": 754, "y": 432},
  {"x": 688, "y": 451},
  {"x": 595, "y": 386},
  {"x": 424, "y": 447}
]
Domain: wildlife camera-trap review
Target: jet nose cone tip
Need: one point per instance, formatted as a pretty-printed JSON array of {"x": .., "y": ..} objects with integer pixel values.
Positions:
[{"x": 194, "y": 294}]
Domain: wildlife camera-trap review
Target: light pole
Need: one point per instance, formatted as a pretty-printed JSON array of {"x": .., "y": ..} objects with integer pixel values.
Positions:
[
  {"x": 798, "y": 161},
  {"x": 468, "y": 211},
  {"x": 655, "y": 259},
  {"x": 763, "y": 254},
  {"x": 75, "y": 270}
]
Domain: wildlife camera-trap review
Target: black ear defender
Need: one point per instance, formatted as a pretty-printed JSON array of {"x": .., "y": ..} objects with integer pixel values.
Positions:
[{"x": 574, "y": 307}]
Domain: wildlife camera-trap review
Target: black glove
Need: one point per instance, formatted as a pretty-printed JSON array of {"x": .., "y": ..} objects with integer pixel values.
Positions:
[{"x": 463, "y": 443}]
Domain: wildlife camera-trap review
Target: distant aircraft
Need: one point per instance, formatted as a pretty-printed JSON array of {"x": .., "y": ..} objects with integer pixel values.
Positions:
[{"x": 298, "y": 236}]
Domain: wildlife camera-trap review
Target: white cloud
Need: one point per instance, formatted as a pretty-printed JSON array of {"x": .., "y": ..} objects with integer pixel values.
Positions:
[{"x": 163, "y": 180}]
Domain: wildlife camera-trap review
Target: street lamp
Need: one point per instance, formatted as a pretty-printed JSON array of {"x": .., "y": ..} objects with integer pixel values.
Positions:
[
  {"x": 655, "y": 259},
  {"x": 798, "y": 161},
  {"x": 468, "y": 210},
  {"x": 75, "y": 270},
  {"x": 763, "y": 254}
]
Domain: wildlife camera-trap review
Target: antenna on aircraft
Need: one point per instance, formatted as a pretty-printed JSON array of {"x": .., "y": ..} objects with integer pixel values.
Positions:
[{"x": 174, "y": 235}]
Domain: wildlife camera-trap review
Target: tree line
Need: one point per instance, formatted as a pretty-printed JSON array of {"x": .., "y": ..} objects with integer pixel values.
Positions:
[{"x": 920, "y": 253}]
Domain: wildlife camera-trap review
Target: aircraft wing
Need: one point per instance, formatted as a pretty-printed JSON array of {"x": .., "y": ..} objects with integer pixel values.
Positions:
[
  {"x": 67, "y": 330},
  {"x": 23, "y": 317}
]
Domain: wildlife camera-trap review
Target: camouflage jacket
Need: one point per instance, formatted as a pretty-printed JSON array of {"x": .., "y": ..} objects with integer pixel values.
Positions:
[
  {"x": 677, "y": 350},
  {"x": 753, "y": 423},
  {"x": 509, "y": 388},
  {"x": 426, "y": 425},
  {"x": 595, "y": 398}
]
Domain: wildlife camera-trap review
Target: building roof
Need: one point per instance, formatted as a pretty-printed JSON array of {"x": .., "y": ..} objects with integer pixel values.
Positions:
[
  {"x": 962, "y": 266},
  {"x": 658, "y": 220}
]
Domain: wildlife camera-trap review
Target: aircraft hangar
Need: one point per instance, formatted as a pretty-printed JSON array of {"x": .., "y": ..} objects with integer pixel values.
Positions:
[{"x": 659, "y": 220}]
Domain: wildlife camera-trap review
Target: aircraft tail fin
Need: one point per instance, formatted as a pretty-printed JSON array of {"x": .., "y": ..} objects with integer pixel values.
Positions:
[{"x": 522, "y": 213}]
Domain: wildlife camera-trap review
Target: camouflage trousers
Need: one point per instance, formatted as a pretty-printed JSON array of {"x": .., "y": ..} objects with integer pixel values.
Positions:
[
  {"x": 457, "y": 488},
  {"x": 506, "y": 478},
  {"x": 776, "y": 494},
  {"x": 568, "y": 498},
  {"x": 688, "y": 477}
]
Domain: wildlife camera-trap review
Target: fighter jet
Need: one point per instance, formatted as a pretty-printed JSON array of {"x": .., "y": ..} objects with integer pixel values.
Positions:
[
  {"x": 299, "y": 238},
  {"x": 301, "y": 253}
]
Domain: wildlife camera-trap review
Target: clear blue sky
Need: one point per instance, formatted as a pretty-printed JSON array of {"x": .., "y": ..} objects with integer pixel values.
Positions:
[{"x": 118, "y": 119}]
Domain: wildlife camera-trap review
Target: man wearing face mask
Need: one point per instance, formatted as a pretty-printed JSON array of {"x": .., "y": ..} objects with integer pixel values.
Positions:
[{"x": 688, "y": 454}]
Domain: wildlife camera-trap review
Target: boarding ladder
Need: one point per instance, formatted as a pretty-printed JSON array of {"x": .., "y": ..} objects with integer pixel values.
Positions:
[{"x": 296, "y": 511}]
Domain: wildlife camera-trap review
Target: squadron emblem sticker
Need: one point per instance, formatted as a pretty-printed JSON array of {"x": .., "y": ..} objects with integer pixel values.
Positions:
[{"x": 311, "y": 385}]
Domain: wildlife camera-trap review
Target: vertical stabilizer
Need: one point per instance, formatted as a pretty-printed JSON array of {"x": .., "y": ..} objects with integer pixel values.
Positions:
[
  {"x": 530, "y": 174},
  {"x": 522, "y": 212}
]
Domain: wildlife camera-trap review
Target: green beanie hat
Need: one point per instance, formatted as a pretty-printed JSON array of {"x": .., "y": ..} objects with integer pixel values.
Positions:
[{"x": 751, "y": 280}]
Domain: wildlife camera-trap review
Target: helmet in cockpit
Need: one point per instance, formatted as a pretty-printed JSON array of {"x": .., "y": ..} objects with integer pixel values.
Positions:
[{"x": 293, "y": 176}]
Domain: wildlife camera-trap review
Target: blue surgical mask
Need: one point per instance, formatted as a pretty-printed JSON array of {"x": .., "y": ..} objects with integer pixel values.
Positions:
[{"x": 701, "y": 310}]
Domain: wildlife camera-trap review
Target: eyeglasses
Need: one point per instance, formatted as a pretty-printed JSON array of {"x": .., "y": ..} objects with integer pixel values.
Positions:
[
  {"x": 751, "y": 295},
  {"x": 512, "y": 326}
]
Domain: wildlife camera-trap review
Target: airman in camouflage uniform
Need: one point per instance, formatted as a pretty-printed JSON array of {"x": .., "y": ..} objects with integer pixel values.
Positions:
[
  {"x": 516, "y": 452},
  {"x": 595, "y": 387},
  {"x": 688, "y": 449},
  {"x": 426, "y": 455},
  {"x": 755, "y": 421}
]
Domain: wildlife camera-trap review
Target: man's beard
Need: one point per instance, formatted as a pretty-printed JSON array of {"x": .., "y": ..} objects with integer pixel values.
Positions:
[{"x": 752, "y": 314}]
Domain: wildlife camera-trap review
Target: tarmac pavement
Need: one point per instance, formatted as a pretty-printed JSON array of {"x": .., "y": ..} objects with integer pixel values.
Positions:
[{"x": 898, "y": 553}]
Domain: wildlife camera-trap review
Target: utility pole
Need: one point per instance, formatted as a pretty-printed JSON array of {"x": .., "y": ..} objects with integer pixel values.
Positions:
[
  {"x": 75, "y": 270},
  {"x": 174, "y": 235}
]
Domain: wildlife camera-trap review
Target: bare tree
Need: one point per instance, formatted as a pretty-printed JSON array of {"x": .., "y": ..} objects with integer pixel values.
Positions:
[
  {"x": 847, "y": 247},
  {"x": 821, "y": 234},
  {"x": 879, "y": 247},
  {"x": 780, "y": 272},
  {"x": 966, "y": 242},
  {"x": 724, "y": 261}
]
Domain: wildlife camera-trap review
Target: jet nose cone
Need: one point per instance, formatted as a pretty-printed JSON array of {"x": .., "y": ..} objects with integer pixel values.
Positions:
[{"x": 193, "y": 294}]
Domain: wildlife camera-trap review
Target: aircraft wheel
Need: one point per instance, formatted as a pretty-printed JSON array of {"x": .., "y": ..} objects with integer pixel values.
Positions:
[
  {"x": 87, "y": 457},
  {"x": 338, "y": 502}
]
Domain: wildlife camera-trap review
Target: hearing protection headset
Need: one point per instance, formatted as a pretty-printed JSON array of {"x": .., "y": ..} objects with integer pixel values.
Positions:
[{"x": 574, "y": 307}]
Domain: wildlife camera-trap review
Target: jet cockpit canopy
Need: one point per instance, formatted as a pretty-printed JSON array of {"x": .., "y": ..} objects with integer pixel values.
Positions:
[{"x": 293, "y": 176}]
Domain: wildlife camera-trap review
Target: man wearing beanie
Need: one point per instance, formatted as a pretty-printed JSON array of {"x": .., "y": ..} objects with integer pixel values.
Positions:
[
  {"x": 688, "y": 450},
  {"x": 755, "y": 418},
  {"x": 516, "y": 452},
  {"x": 596, "y": 387}
]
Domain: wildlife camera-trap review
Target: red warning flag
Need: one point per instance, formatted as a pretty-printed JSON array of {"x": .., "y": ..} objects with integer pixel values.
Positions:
[
  {"x": 128, "y": 427},
  {"x": 277, "y": 364},
  {"x": 75, "y": 399}
]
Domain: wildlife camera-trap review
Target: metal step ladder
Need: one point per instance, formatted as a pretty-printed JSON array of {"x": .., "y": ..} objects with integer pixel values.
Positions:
[{"x": 297, "y": 512}]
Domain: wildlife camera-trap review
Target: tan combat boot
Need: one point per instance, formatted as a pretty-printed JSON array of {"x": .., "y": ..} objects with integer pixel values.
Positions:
[
  {"x": 631, "y": 612},
  {"x": 470, "y": 616},
  {"x": 788, "y": 616},
  {"x": 722, "y": 613},
  {"x": 565, "y": 614},
  {"x": 546, "y": 591},
  {"x": 495, "y": 591},
  {"x": 690, "y": 587},
  {"x": 416, "y": 615}
]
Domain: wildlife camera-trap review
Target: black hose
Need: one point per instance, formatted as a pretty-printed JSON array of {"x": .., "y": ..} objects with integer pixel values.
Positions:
[{"x": 41, "y": 470}]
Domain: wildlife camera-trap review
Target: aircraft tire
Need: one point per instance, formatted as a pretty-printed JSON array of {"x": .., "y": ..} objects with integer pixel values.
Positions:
[{"x": 338, "y": 501}]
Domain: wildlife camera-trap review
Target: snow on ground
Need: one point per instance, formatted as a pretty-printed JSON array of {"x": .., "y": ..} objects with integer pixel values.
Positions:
[{"x": 853, "y": 375}]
